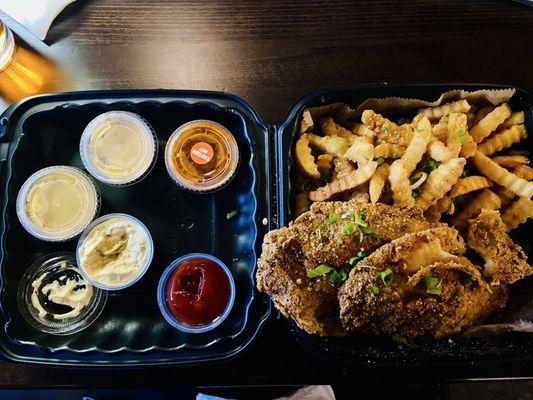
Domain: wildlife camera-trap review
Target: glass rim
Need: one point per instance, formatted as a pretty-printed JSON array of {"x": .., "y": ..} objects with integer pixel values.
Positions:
[{"x": 6, "y": 53}]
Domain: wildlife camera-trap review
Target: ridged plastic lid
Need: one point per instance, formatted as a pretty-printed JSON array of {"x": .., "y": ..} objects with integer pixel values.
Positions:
[
  {"x": 202, "y": 156},
  {"x": 57, "y": 203},
  {"x": 118, "y": 148}
]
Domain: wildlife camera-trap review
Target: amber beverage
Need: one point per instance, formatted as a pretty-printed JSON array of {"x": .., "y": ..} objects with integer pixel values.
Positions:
[{"x": 23, "y": 72}]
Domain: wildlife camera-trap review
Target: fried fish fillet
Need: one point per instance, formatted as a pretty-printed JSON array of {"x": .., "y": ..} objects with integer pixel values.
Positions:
[
  {"x": 419, "y": 284},
  {"x": 320, "y": 236},
  {"x": 505, "y": 261},
  {"x": 322, "y": 241}
]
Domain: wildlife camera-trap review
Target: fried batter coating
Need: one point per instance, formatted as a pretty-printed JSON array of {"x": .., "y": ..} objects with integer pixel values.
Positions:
[
  {"x": 281, "y": 273},
  {"x": 408, "y": 305},
  {"x": 325, "y": 242},
  {"x": 387, "y": 131},
  {"x": 505, "y": 261},
  {"x": 313, "y": 239}
]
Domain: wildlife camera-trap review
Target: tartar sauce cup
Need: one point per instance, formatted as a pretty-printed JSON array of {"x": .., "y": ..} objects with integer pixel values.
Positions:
[
  {"x": 57, "y": 203},
  {"x": 118, "y": 148},
  {"x": 162, "y": 294},
  {"x": 133, "y": 255}
]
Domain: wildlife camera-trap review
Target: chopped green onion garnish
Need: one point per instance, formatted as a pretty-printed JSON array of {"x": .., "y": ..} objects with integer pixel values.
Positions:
[
  {"x": 415, "y": 178},
  {"x": 232, "y": 214},
  {"x": 349, "y": 228},
  {"x": 334, "y": 275},
  {"x": 337, "y": 276},
  {"x": 360, "y": 218},
  {"x": 416, "y": 192},
  {"x": 321, "y": 270},
  {"x": 418, "y": 130},
  {"x": 461, "y": 135},
  {"x": 357, "y": 258},
  {"x": 375, "y": 289},
  {"x": 433, "y": 285},
  {"x": 367, "y": 230},
  {"x": 427, "y": 165},
  {"x": 346, "y": 214},
  {"x": 344, "y": 275},
  {"x": 384, "y": 128},
  {"x": 332, "y": 218},
  {"x": 386, "y": 276},
  {"x": 380, "y": 160}
]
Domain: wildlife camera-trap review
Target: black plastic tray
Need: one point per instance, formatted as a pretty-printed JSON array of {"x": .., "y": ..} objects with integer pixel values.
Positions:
[
  {"x": 36, "y": 129},
  {"x": 44, "y": 131}
]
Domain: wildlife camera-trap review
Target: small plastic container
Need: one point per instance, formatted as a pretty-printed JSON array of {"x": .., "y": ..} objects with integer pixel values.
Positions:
[
  {"x": 57, "y": 203},
  {"x": 62, "y": 266},
  {"x": 118, "y": 148},
  {"x": 202, "y": 156},
  {"x": 162, "y": 301},
  {"x": 90, "y": 233}
]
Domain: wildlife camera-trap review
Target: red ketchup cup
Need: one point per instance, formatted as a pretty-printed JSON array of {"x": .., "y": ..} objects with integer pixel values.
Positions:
[{"x": 196, "y": 293}]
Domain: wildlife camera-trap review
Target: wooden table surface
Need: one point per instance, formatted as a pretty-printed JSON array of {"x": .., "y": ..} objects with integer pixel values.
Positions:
[{"x": 271, "y": 53}]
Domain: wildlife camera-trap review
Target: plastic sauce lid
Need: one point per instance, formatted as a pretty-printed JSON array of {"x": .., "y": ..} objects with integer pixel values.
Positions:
[
  {"x": 57, "y": 203},
  {"x": 118, "y": 148},
  {"x": 202, "y": 156},
  {"x": 114, "y": 251},
  {"x": 53, "y": 297}
]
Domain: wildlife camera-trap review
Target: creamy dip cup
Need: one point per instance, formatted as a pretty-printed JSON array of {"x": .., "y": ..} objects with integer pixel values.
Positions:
[
  {"x": 118, "y": 148},
  {"x": 53, "y": 297},
  {"x": 57, "y": 203},
  {"x": 114, "y": 251}
]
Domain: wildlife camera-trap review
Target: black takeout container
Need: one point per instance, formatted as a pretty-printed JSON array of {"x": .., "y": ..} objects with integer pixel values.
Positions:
[{"x": 45, "y": 130}]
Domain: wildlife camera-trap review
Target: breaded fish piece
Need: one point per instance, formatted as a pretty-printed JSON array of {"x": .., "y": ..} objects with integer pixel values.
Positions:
[
  {"x": 322, "y": 241},
  {"x": 316, "y": 237},
  {"x": 429, "y": 288},
  {"x": 281, "y": 273},
  {"x": 505, "y": 261}
]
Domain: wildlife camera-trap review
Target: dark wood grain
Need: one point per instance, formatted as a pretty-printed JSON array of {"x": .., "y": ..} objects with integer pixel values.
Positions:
[{"x": 271, "y": 53}]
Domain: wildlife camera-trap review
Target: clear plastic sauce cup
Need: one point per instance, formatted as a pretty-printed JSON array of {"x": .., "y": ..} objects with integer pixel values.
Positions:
[
  {"x": 57, "y": 203},
  {"x": 115, "y": 251},
  {"x": 118, "y": 148},
  {"x": 54, "y": 298},
  {"x": 196, "y": 293},
  {"x": 202, "y": 156}
]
